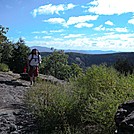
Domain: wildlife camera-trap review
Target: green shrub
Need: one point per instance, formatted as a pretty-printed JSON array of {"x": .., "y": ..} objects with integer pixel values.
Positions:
[
  {"x": 4, "y": 67},
  {"x": 103, "y": 89},
  {"x": 86, "y": 105},
  {"x": 53, "y": 104}
]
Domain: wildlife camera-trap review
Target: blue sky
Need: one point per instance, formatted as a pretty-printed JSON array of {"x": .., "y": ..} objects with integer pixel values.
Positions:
[{"x": 71, "y": 24}]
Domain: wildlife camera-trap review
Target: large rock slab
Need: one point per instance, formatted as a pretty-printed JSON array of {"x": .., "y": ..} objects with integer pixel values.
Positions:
[
  {"x": 14, "y": 116},
  {"x": 124, "y": 118}
]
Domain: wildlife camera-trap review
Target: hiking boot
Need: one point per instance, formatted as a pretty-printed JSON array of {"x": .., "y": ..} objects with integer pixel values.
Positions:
[
  {"x": 34, "y": 81},
  {"x": 31, "y": 83}
]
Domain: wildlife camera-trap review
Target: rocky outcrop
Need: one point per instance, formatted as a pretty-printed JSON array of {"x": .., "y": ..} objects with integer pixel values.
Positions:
[
  {"x": 14, "y": 116},
  {"x": 124, "y": 118},
  {"x": 49, "y": 78}
]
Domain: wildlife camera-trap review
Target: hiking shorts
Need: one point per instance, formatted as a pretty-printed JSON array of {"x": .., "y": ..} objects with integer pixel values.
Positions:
[{"x": 33, "y": 71}]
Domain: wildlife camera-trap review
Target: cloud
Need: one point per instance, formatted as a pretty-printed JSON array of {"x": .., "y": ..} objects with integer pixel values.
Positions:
[
  {"x": 117, "y": 29},
  {"x": 80, "y": 25},
  {"x": 55, "y": 21},
  {"x": 105, "y": 41},
  {"x": 111, "y": 7},
  {"x": 122, "y": 42},
  {"x": 39, "y": 32},
  {"x": 70, "y": 6},
  {"x": 52, "y": 9},
  {"x": 56, "y": 31},
  {"x": 81, "y": 19},
  {"x": 131, "y": 21},
  {"x": 100, "y": 28},
  {"x": 37, "y": 37},
  {"x": 121, "y": 29},
  {"x": 109, "y": 23},
  {"x": 73, "y": 36},
  {"x": 47, "y": 37}
]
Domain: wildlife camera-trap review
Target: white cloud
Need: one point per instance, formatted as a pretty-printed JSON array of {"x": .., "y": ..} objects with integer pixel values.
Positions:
[
  {"x": 56, "y": 31},
  {"x": 117, "y": 29},
  {"x": 55, "y": 21},
  {"x": 52, "y": 9},
  {"x": 80, "y": 25},
  {"x": 122, "y": 42},
  {"x": 37, "y": 37},
  {"x": 70, "y": 6},
  {"x": 110, "y": 7},
  {"x": 73, "y": 36},
  {"x": 106, "y": 41},
  {"x": 100, "y": 28},
  {"x": 121, "y": 29},
  {"x": 131, "y": 21},
  {"x": 81, "y": 19},
  {"x": 36, "y": 32},
  {"x": 47, "y": 37},
  {"x": 109, "y": 23},
  {"x": 39, "y": 32}
]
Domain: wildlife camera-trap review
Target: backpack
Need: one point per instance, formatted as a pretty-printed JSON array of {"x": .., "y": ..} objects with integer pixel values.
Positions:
[{"x": 33, "y": 55}]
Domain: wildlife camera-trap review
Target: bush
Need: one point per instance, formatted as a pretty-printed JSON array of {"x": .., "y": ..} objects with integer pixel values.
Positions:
[
  {"x": 103, "y": 89},
  {"x": 4, "y": 67},
  {"x": 53, "y": 105},
  {"x": 87, "y": 105}
]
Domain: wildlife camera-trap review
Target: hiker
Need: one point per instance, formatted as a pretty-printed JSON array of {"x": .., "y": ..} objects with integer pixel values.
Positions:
[{"x": 34, "y": 60}]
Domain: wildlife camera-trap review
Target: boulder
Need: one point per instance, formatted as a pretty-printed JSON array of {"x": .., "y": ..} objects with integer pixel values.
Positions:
[
  {"x": 49, "y": 78},
  {"x": 124, "y": 118}
]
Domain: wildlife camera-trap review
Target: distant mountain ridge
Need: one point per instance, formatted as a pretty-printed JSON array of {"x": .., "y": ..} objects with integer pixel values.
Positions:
[{"x": 46, "y": 49}]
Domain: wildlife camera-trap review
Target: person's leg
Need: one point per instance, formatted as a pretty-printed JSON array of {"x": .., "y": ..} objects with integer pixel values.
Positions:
[
  {"x": 35, "y": 74},
  {"x": 31, "y": 80},
  {"x": 31, "y": 75},
  {"x": 34, "y": 79}
]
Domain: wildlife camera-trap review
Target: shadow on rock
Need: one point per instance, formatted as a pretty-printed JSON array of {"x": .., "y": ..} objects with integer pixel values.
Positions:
[{"x": 12, "y": 83}]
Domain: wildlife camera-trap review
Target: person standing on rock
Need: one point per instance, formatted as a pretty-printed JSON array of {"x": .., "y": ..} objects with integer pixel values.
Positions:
[{"x": 34, "y": 60}]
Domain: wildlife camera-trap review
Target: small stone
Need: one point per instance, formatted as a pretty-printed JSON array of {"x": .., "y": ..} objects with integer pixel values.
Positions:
[
  {"x": 15, "y": 132},
  {"x": 13, "y": 127}
]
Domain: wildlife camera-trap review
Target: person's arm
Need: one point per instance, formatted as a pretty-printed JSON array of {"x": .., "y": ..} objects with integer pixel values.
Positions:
[{"x": 40, "y": 60}]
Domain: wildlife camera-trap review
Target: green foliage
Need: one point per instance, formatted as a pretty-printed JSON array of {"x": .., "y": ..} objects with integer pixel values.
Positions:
[
  {"x": 12, "y": 54},
  {"x": 104, "y": 89},
  {"x": 7, "y": 53},
  {"x": 3, "y": 31},
  {"x": 88, "y": 60},
  {"x": 56, "y": 65},
  {"x": 4, "y": 67},
  {"x": 51, "y": 103},
  {"x": 90, "y": 101},
  {"x": 124, "y": 66},
  {"x": 4, "y": 44},
  {"x": 20, "y": 54},
  {"x": 75, "y": 70}
]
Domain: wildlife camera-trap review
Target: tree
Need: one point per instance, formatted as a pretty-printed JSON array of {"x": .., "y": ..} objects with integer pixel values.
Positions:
[
  {"x": 56, "y": 64},
  {"x": 123, "y": 66},
  {"x": 3, "y": 31},
  {"x": 7, "y": 53},
  {"x": 75, "y": 70},
  {"x": 20, "y": 54},
  {"x": 3, "y": 40}
]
